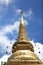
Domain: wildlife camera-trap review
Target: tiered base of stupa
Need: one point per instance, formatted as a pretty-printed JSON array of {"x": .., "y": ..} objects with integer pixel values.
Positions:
[
  {"x": 24, "y": 57},
  {"x": 30, "y": 62}
]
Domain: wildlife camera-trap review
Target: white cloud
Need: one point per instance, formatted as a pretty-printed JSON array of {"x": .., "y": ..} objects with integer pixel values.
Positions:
[
  {"x": 30, "y": 12},
  {"x": 26, "y": 14},
  {"x": 4, "y": 7},
  {"x": 26, "y": 23},
  {"x": 11, "y": 28},
  {"x": 18, "y": 11},
  {"x": 6, "y": 2},
  {"x": 4, "y": 58}
]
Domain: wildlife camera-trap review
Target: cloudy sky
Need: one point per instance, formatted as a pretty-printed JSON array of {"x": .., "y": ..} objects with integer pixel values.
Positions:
[{"x": 9, "y": 24}]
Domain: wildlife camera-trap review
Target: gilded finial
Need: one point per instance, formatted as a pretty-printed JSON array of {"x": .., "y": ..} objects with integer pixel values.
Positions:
[
  {"x": 21, "y": 19},
  {"x": 21, "y": 12}
]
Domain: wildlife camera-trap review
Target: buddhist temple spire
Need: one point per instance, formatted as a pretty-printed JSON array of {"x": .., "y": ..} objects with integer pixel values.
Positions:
[
  {"x": 22, "y": 36},
  {"x": 22, "y": 42},
  {"x": 22, "y": 50}
]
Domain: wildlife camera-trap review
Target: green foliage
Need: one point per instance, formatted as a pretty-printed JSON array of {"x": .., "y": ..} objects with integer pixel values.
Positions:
[{"x": 4, "y": 63}]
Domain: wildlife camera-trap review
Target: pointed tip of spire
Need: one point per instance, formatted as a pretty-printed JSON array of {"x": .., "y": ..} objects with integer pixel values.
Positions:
[
  {"x": 21, "y": 19},
  {"x": 21, "y": 12}
]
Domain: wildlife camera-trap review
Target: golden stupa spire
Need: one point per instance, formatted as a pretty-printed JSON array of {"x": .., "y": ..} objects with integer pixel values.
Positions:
[
  {"x": 22, "y": 40},
  {"x": 22, "y": 31}
]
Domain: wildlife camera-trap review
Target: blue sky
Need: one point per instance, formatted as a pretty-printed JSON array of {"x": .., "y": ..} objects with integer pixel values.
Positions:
[
  {"x": 34, "y": 28},
  {"x": 9, "y": 21}
]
